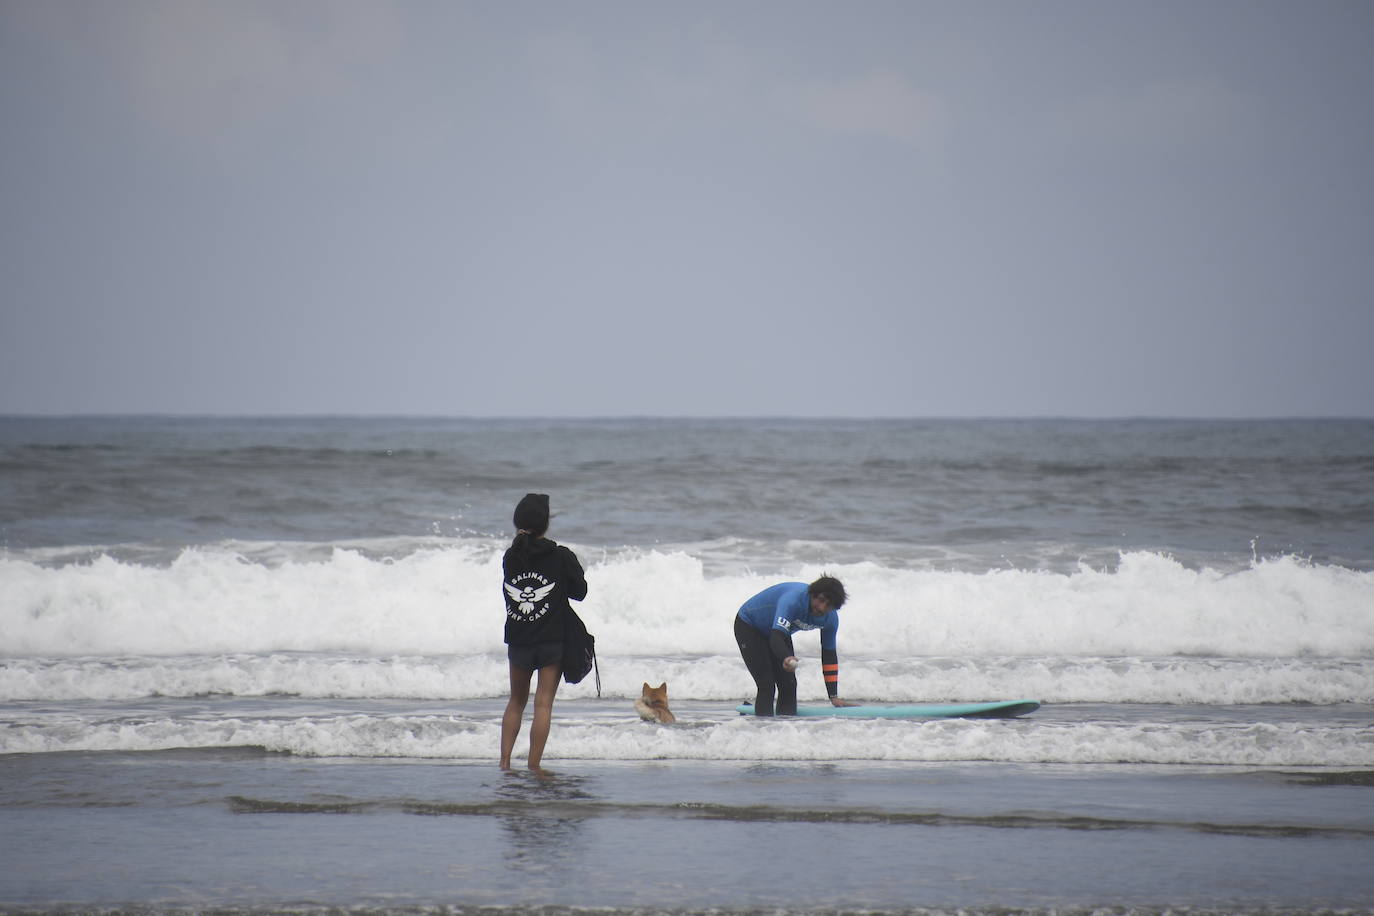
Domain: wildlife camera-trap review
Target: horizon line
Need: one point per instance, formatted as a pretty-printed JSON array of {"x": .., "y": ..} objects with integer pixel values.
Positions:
[{"x": 346, "y": 415}]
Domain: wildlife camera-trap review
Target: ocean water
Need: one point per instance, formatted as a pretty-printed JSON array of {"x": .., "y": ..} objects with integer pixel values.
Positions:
[{"x": 254, "y": 664}]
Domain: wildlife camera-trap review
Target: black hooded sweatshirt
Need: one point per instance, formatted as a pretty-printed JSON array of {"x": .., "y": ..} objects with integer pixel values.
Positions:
[{"x": 540, "y": 577}]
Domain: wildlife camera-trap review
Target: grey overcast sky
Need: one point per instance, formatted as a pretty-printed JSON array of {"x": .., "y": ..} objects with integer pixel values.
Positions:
[{"x": 983, "y": 208}]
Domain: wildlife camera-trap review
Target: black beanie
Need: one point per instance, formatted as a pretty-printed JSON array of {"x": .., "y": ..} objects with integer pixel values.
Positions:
[{"x": 532, "y": 513}]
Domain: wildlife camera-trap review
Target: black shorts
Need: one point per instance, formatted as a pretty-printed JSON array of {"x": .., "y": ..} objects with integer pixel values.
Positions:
[{"x": 535, "y": 655}]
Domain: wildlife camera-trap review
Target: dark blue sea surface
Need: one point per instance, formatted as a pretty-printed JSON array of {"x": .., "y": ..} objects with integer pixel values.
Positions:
[{"x": 1024, "y": 492}]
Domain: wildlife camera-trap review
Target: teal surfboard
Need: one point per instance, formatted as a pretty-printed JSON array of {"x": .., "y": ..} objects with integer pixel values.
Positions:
[{"x": 1004, "y": 709}]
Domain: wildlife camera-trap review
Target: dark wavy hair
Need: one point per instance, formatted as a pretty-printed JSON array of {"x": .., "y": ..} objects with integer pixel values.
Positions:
[{"x": 829, "y": 588}]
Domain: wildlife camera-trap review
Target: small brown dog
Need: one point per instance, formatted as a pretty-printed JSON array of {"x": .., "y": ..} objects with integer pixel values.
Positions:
[{"x": 653, "y": 705}]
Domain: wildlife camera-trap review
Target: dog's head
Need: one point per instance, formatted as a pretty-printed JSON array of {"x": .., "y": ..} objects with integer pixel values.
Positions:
[{"x": 655, "y": 696}]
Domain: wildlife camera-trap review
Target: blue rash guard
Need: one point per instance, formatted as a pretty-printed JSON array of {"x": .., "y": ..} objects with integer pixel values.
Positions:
[
  {"x": 787, "y": 607},
  {"x": 775, "y": 614}
]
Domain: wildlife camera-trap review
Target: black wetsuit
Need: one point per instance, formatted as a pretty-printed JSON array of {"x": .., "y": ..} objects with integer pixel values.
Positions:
[{"x": 763, "y": 631}]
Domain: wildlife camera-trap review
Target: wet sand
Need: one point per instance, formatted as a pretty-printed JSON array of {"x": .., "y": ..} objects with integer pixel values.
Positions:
[{"x": 244, "y": 829}]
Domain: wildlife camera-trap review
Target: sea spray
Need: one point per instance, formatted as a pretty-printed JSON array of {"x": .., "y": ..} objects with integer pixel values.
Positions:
[{"x": 444, "y": 600}]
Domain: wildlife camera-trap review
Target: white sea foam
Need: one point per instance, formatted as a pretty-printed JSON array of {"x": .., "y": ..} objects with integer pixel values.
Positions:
[
  {"x": 722, "y": 738},
  {"x": 1169, "y": 680},
  {"x": 443, "y": 600}
]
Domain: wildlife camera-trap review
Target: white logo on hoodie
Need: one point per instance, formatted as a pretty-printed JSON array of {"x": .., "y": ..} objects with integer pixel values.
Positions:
[{"x": 524, "y": 594}]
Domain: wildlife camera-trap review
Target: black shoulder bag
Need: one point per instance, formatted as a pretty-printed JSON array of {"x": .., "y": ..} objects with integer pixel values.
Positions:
[{"x": 579, "y": 651}]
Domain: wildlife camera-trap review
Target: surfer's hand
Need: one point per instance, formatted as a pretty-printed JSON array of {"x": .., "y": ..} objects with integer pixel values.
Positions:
[{"x": 836, "y": 701}]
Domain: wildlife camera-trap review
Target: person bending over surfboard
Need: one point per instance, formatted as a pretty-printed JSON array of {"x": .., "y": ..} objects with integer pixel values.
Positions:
[
  {"x": 764, "y": 627},
  {"x": 539, "y": 578}
]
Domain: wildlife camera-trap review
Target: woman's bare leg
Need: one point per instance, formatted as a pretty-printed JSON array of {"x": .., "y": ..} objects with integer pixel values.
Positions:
[
  {"x": 515, "y": 711},
  {"x": 549, "y": 676}
]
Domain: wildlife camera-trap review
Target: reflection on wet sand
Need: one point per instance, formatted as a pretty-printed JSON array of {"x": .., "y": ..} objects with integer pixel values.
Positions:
[{"x": 541, "y": 818}]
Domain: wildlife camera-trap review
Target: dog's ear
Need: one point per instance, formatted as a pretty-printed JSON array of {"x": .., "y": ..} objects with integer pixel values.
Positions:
[
  {"x": 663, "y": 686},
  {"x": 646, "y": 686}
]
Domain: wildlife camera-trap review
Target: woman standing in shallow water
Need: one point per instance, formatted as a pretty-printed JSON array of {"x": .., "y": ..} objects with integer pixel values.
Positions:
[{"x": 539, "y": 578}]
